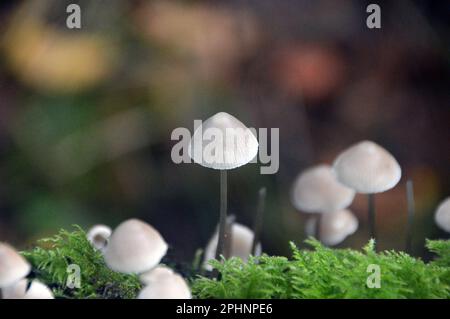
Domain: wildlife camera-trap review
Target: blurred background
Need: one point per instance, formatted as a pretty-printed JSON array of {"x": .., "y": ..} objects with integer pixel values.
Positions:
[{"x": 86, "y": 114}]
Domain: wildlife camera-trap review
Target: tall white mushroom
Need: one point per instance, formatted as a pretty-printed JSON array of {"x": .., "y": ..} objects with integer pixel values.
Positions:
[
  {"x": 368, "y": 169},
  {"x": 98, "y": 236},
  {"x": 442, "y": 215},
  {"x": 223, "y": 142},
  {"x": 134, "y": 247},
  {"x": 316, "y": 190},
  {"x": 13, "y": 266},
  {"x": 335, "y": 227},
  {"x": 240, "y": 246}
]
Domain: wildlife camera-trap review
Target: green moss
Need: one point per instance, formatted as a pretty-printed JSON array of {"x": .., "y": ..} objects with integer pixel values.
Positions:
[
  {"x": 330, "y": 273},
  {"x": 318, "y": 273},
  {"x": 53, "y": 255}
]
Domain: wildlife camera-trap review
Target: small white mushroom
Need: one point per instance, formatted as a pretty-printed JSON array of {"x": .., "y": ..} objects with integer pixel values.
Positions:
[
  {"x": 16, "y": 290},
  {"x": 367, "y": 168},
  {"x": 241, "y": 244},
  {"x": 442, "y": 215},
  {"x": 98, "y": 236},
  {"x": 134, "y": 247},
  {"x": 37, "y": 290},
  {"x": 155, "y": 274},
  {"x": 13, "y": 266},
  {"x": 316, "y": 190},
  {"x": 334, "y": 227},
  {"x": 167, "y": 286}
]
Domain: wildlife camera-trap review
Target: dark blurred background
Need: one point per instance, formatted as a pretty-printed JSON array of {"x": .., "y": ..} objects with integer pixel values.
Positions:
[{"x": 86, "y": 115}]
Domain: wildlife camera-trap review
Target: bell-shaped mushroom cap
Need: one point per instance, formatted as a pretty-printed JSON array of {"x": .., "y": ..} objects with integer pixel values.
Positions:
[
  {"x": 134, "y": 247},
  {"x": 169, "y": 286},
  {"x": 98, "y": 236},
  {"x": 155, "y": 274},
  {"x": 316, "y": 190},
  {"x": 18, "y": 290},
  {"x": 442, "y": 215},
  {"x": 223, "y": 142},
  {"x": 367, "y": 168},
  {"x": 241, "y": 244},
  {"x": 334, "y": 227},
  {"x": 13, "y": 266}
]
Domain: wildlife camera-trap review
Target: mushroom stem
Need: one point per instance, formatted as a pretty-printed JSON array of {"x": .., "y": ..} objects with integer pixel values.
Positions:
[
  {"x": 318, "y": 222},
  {"x": 223, "y": 214},
  {"x": 371, "y": 216},
  {"x": 411, "y": 211},
  {"x": 258, "y": 218},
  {"x": 228, "y": 236}
]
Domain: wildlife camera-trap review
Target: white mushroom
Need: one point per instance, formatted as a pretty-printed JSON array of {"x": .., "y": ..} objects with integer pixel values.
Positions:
[
  {"x": 442, "y": 215},
  {"x": 134, "y": 247},
  {"x": 316, "y": 190},
  {"x": 367, "y": 168},
  {"x": 98, "y": 236},
  {"x": 223, "y": 142},
  {"x": 155, "y": 274},
  {"x": 16, "y": 291},
  {"x": 37, "y": 290},
  {"x": 168, "y": 286},
  {"x": 13, "y": 266},
  {"x": 241, "y": 244},
  {"x": 334, "y": 227}
]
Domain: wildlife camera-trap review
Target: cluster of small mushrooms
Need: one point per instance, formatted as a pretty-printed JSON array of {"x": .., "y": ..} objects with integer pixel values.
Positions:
[
  {"x": 13, "y": 282},
  {"x": 328, "y": 191},
  {"x": 135, "y": 247},
  {"x": 324, "y": 190}
]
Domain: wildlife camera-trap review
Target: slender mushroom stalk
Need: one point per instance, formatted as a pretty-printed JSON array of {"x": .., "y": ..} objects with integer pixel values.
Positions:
[
  {"x": 223, "y": 214},
  {"x": 411, "y": 212},
  {"x": 371, "y": 215},
  {"x": 367, "y": 168},
  {"x": 223, "y": 142},
  {"x": 259, "y": 218},
  {"x": 229, "y": 236}
]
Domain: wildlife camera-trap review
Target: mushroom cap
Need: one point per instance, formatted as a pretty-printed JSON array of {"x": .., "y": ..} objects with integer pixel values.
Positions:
[
  {"x": 367, "y": 168},
  {"x": 316, "y": 190},
  {"x": 236, "y": 147},
  {"x": 155, "y": 274},
  {"x": 169, "y": 286},
  {"x": 334, "y": 227},
  {"x": 98, "y": 236},
  {"x": 442, "y": 215},
  {"x": 13, "y": 266},
  {"x": 241, "y": 244},
  {"x": 18, "y": 290},
  {"x": 134, "y": 247}
]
